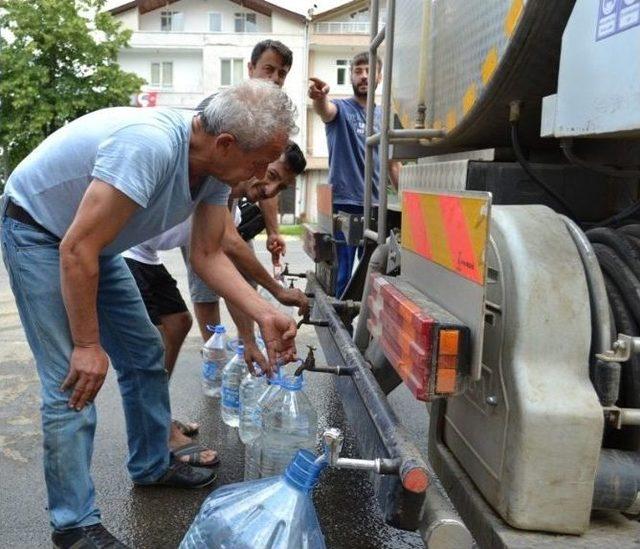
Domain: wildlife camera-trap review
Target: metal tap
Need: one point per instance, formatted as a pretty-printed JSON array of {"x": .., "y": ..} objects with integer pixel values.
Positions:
[{"x": 333, "y": 440}]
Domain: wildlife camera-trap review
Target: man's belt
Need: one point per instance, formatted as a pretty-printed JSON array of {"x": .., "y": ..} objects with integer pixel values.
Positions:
[{"x": 23, "y": 216}]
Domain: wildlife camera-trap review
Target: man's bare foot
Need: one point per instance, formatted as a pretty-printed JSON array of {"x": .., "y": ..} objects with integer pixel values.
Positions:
[{"x": 177, "y": 440}]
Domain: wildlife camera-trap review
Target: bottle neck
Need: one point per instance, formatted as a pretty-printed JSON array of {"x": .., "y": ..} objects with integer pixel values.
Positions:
[{"x": 303, "y": 471}]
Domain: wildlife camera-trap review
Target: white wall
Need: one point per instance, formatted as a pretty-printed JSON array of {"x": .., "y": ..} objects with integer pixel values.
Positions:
[
  {"x": 129, "y": 19},
  {"x": 285, "y": 25},
  {"x": 325, "y": 68},
  {"x": 196, "y": 18},
  {"x": 187, "y": 68}
]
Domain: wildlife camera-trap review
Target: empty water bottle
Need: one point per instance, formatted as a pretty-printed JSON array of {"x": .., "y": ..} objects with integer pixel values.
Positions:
[
  {"x": 214, "y": 358},
  {"x": 232, "y": 375},
  {"x": 273, "y": 513},
  {"x": 289, "y": 423}
]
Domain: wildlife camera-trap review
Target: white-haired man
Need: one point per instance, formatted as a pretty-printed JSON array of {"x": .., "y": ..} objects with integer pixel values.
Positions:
[{"x": 91, "y": 190}]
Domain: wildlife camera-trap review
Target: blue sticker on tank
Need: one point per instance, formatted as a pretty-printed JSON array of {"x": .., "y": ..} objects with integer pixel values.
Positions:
[{"x": 616, "y": 16}]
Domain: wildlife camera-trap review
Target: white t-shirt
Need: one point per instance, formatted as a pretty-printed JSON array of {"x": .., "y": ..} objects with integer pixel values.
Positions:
[{"x": 176, "y": 237}]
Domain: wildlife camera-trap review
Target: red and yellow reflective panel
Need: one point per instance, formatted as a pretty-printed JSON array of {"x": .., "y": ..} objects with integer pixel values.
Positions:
[{"x": 450, "y": 230}]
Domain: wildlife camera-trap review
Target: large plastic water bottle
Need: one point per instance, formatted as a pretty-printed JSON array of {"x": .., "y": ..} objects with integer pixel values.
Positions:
[
  {"x": 214, "y": 358},
  {"x": 273, "y": 513},
  {"x": 232, "y": 375},
  {"x": 250, "y": 428},
  {"x": 289, "y": 424},
  {"x": 252, "y": 387}
]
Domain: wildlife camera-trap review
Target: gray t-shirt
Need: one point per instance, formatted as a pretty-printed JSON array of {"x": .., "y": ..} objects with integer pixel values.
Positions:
[{"x": 144, "y": 153}]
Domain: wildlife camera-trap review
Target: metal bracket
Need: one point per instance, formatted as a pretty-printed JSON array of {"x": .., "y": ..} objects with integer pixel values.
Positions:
[
  {"x": 622, "y": 349},
  {"x": 393, "y": 258},
  {"x": 618, "y": 417}
]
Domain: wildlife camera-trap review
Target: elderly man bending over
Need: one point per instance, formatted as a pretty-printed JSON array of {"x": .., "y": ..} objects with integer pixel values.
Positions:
[{"x": 96, "y": 187}]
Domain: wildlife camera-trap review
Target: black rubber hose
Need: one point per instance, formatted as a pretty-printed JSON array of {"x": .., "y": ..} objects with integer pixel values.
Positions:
[
  {"x": 616, "y": 219},
  {"x": 635, "y": 242},
  {"x": 623, "y": 249},
  {"x": 623, "y": 277},
  {"x": 630, "y": 386},
  {"x": 515, "y": 143},
  {"x": 617, "y": 480},
  {"x": 567, "y": 148},
  {"x": 631, "y": 230}
]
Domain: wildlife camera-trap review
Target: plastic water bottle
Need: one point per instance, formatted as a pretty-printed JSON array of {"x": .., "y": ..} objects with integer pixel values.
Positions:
[
  {"x": 250, "y": 428},
  {"x": 289, "y": 424},
  {"x": 252, "y": 387},
  {"x": 273, "y": 513},
  {"x": 214, "y": 357},
  {"x": 232, "y": 375}
]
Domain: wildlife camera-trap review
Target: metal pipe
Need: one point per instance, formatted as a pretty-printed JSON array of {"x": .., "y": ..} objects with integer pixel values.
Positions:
[
  {"x": 374, "y": 10},
  {"x": 406, "y": 136},
  {"x": 416, "y": 134},
  {"x": 383, "y": 152},
  {"x": 413, "y": 473},
  {"x": 377, "y": 40},
  {"x": 425, "y": 51},
  {"x": 601, "y": 320},
  {"x": 371, "y": 235},
  {"x": 373, "y": 140},
  {"x": 629, "y": 416}
]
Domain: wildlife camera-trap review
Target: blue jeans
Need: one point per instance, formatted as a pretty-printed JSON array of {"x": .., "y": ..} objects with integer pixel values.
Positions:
[{"x": 135, "y": 348}]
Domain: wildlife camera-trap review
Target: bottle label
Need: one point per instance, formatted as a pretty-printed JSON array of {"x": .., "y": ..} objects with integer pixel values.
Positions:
[
  {"x": 231, "y": 397},
  {"x": 256, "y": 416},
  {"x": 209, "y": 369}
]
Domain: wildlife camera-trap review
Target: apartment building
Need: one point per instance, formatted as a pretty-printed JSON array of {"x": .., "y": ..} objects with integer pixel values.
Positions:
[{"x": 187, "y": 49}]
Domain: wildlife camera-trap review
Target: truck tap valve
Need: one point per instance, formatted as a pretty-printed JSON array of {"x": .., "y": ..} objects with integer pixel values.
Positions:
[
  {"x": 309, "y": 364},
  {"x": 333, "y": 440}
]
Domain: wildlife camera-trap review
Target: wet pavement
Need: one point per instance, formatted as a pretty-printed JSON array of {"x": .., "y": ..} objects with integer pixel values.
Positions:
[{"x": 158, "y": 517}]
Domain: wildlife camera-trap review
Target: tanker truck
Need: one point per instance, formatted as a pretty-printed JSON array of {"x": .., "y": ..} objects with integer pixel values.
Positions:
[{"x": 501, "y": 286}]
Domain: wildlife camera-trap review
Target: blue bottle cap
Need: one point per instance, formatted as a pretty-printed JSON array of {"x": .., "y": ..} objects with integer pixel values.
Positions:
[
  {"x": 304, "y": 471},
  {"x": 291, "y": 383}
]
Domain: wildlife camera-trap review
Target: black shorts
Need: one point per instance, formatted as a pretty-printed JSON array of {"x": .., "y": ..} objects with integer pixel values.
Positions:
[{"x": 158, "y": 288}]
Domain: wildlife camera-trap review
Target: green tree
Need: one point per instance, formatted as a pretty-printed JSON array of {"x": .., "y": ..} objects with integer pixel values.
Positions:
[{"x": 58, "y": 61}]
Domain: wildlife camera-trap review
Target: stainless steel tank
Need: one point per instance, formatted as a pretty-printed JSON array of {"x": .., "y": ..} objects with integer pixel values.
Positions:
[{"x": 466, "y": 60}]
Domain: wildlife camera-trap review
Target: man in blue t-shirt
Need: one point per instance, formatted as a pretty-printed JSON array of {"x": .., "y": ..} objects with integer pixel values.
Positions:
[
  {"x": 94, "y": 188},
  {"x": 346, "y": 122}
]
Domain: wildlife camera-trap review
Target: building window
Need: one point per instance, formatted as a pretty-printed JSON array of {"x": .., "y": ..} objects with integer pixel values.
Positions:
[
  {"x": 162, "y": 74},
  {"x": 246, "y": 22},
  {"x": 231, "y": 71},
  {"x": 215, "y": 22},
  {"x": 171, "y": 21},
  {"x": 341, "y": 71}
]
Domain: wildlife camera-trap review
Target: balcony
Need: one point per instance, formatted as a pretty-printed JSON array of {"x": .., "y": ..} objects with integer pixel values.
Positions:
[
  {"x": 141, "y": 40},
  {"x": 336, "y": 35},
  {"x": 341, "y": 27}
]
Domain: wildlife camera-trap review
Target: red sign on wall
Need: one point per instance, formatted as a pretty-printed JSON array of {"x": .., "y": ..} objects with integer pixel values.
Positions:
[{"x": 146, "y": 99}]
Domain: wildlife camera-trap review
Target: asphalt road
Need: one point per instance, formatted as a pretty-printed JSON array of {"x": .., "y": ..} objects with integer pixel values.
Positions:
[{"x": 157, "y": 517}]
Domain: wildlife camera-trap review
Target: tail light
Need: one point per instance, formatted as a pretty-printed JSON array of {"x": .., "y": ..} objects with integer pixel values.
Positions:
[{"x": 427, "y": 346}]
